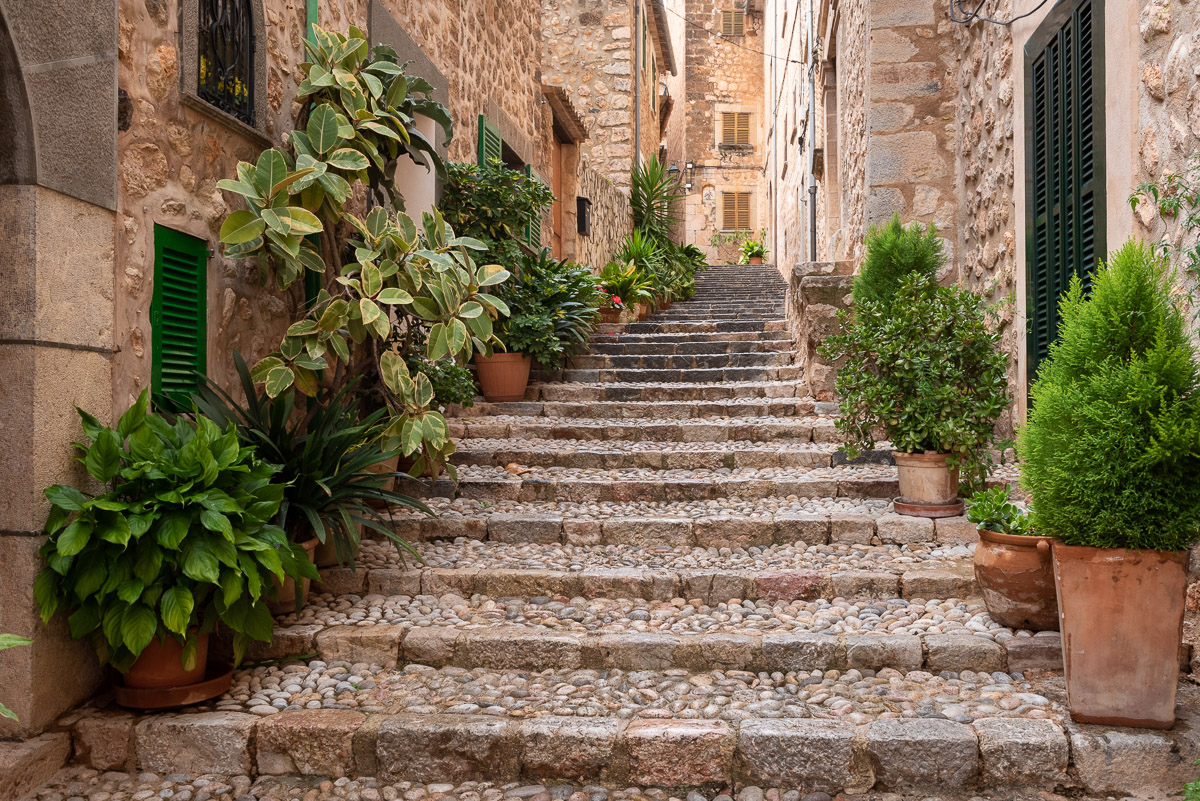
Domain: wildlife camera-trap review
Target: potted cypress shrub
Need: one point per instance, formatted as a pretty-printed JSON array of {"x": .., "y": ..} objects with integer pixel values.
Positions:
[
  {"x": 182, "y": 538},
  {"x": 923, "y": 365},
  {"x": 1111, "y": 464},
  {"x": 1012, "y": 563}
]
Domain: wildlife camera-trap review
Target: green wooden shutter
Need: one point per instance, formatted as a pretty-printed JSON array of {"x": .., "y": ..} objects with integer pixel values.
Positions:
[
  {"x": 533, "y": 231},
  {"x": 178, "y": 316},
  {"x": 1065, "y": 197},
  {"x": 490, "y": 142},
  {"x": 310, "y": 20}
]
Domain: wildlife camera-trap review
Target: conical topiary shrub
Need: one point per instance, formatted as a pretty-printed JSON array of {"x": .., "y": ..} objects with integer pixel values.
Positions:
[{"x": 1111, "y": 460}]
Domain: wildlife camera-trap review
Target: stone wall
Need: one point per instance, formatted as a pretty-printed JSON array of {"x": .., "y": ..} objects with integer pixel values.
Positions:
[
  {"x": 722, "y": 76},
  {"x": 788, "y": 92},
  {"x": 611, "y": 219},
  {"x": 845, "y": 212}
]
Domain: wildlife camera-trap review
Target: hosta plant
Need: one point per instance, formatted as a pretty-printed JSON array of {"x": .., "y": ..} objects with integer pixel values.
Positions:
[
  {"x": 181, "y": 537},
  {"x": 10, "y": 641},
  {"x": 388, "y": 286}
]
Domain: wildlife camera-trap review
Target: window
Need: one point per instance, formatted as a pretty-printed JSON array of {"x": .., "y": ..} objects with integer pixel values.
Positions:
[
  {"x": 225, "y": 48},
  {"x": 491, "y": 145},
  {"x": 735, "y": 128},
  {"x": 735, "y": 211},
  {"x": 1065, "y": 225},
  {"x": 178, "y": 316},
  {"x": 733, "y": 23}
]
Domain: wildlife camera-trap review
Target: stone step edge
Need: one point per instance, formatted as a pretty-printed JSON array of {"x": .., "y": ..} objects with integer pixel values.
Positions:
[
  {"x": 671, "y": 412},
  {"x": 787, "y": 430},
  {"x": 758, "y": 455},
  {"x": 710, "y": 586},
  {"x": 717, "y": 531},
  {"x": 529, "y": 648},
  {"x": 817, "y": 754}
]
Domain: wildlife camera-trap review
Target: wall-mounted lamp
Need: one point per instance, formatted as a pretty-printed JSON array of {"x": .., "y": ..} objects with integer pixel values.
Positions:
[
  {"x": 690, "y": 165},
  {"x": 673, "y": 170},
  {"x": 687, "y": 186}
]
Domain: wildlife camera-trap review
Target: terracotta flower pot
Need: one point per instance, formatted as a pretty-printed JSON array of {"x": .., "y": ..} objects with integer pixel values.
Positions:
[
  {"x": 928, "y": 486},
  {"x": 161, "y": 665},
  {"x": 285, "y": 591},
  {"x": 756, "y": 259},
  {"x": 386, "y": 466},
  {"x": 503, "y": 377},
  {"x": 1121, "y": 613},
  {"x": 643, "y": 311},
  {"x": 1016, "y": 577},
  {"x": 612, "y": 316},
  {"x": 326, "y": 554}
]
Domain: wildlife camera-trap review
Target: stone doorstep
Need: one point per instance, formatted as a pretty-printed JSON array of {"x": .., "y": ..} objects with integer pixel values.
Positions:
[
  {"x": 512, "y": 647},
  {"x": 827, "y": 755},
  {"x": 719, "y": 531}
]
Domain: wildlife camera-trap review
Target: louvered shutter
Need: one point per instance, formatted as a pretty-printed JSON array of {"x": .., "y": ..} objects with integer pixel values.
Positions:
[
  {"x": 728, "y": 128},
  {"x": 743, "y": 211},
  {"x": 178, "y": 316},
  {"x": 1065, "y": 165},
  {"x": 742, "y": 128},
  {"x": 490, "y": 142},
  {"x": 733, "y": 23},
  {"x": 735, "y": 211},
  {"x": 533, "y": 231}
]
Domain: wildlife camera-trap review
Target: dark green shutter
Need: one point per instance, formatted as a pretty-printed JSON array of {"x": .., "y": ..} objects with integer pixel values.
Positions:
[
  {"x": 490, "y": 142},
  {"x": 310, "y": 20},
  {"x": 178, "y": 316},
  {"x": 1065, "y": 197}
]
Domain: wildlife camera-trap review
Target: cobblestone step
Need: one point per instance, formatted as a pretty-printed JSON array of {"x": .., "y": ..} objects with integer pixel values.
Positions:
[
  {"x": 704, "y": 327},
  {"x": 546, "y": 633},
  {"x": 696, "y": 315},
  {"x": 682, "y": 361},
  {"x": 622, "y": 728},
  {"x": 787, "y": 372},
  {"x": 780, "y": 430},
  {"x": 734, "y": 409},
  {"x": 692, "y": 338},
  {"x": 623, "y": 454},
  {"x": 703, "y": 348},
  {"x": 681, "y": 391}
]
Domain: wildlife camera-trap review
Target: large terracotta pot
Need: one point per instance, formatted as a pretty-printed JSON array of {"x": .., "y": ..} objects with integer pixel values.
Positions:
[
  {"x": 161, "y": 665},
  {"x": 326, "y": 553},
  {"x": 925, "y": 478},
  {"x": 643, "y": 311},
  {"x": 613, "y": 316},
  {"x": 1121, "y": 613},
  {"x": 285, "y": 591},
  {"x": 1016, "y": 576},
  {"x": 503, "y": 377}
]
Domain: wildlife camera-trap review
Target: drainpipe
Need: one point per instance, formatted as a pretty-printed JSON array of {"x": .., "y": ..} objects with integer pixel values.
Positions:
[
  {"x": 637, "y": 85},
  {"x": 812, "y": 128}
]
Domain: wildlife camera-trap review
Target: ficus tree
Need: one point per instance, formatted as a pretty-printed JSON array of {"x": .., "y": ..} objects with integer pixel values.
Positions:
[{"x": 388, "y": 286}]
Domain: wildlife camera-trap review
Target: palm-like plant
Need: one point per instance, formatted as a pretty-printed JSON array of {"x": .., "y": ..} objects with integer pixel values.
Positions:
[
  {"x": 654, "y": 191},
  {"x": 326, "y": 464}
]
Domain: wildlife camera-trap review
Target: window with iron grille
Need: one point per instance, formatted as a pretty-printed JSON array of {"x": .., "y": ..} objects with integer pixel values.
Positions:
[
  {"x": 735, "y": 211},
  {"x": 735, "y": 128},
  {"x": 1065, "y": 198},
  {"x": 225, "y": 48},
  {"x": 733, "y": 23}
]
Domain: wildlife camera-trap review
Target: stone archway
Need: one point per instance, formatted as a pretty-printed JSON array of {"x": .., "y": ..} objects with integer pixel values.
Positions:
[{"x": 58, "y": 193}]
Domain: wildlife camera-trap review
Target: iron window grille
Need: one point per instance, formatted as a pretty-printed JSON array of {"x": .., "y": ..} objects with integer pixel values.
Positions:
[{"x": 225, "y": 45}]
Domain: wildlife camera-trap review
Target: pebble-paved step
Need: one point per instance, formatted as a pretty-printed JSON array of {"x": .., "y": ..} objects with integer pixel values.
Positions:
[
  {"x": 680, "y": 391},
  {"x": 707, "y": 327},
  {"x": 691, "y": 315},
  {"x": 583, "y": 485},
  {"x": 681, "y": 361},
  {"x": 780, "y": 430},
  {"x": 660, "y": 411},
  {"x": 717, "y": 729},
  {"x": 546, "y": 632},
  {"x": 714, "y": 575},
  {"x": 619, "y": 454},
  {"x": 618, "y": 347},
  {"x": 646, "y": 375},
  {"x": 695, "y": 340}
]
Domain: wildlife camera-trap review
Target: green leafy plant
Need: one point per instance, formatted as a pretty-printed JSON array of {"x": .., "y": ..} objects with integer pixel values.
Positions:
[
  {"x": 925, "y": 366},
  {"x": 894, "y": 252},
  {"x": 325, "y": 466},
  {"x": 1191, "y": 790},
  {"x": 452, "y": 383},
  {"x": 1111, "y": 453},
  {"x": 753, "y": 249},
  {"x": 1177, "y": 198},
  {"x": 555, "y": 308},
  {"x": 183, "y": 536},
  {"x": 494, "y": 204},
  {"x": 625, "y": 281},
  {"x": 992, "y": 510},
  {"x": 388, "y": 288},
  {"x": 10, "y": 641},
  {"x": 654, "y": 195}
]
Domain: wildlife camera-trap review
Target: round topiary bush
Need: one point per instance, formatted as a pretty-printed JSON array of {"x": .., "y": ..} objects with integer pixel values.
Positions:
[{"x": 1111, "y": 452}]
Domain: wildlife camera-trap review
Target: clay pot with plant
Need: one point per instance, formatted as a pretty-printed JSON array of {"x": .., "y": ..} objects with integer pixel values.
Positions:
[
  {"x": 921, "y": 363},
  {"x": 752, "y": 251},
  {"x": 182, "y": 538},
  {"x": 1012, "y": 563},
  {"x": 1109, "y": 461}
]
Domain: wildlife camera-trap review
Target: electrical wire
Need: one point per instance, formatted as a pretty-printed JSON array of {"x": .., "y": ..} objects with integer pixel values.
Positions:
[
  {"x": 970, "y": 16},
  {"x": 729, "y": 41}
]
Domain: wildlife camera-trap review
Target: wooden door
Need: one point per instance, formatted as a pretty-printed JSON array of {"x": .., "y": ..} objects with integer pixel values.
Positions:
[{"x": 556, "y": 210}]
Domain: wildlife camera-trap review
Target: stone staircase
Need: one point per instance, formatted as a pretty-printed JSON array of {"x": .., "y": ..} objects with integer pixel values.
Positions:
[{"x": 658, "y": 571}]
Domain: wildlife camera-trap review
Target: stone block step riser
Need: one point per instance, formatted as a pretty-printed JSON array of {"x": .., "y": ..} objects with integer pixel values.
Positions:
[
  {"x": 527, "y": 648},
  {"x": 714, "y": 459},
  {"x": 693, "y": 338},
  {"x": 828, "y": 755},
  {"x": 697, "y": 349},
  {"x": 772, "y": 311},
  {"x": 702, "y": 327},
  {"x": 672, "y": 375},
  {"x": 682, "y": 361},
  {"x": 657, "y": 411},
  {"x": 646, "y": 430},
  {"x": 745, "y": 304},
  {"x": 689, "y": 392},
  {"x": 721, "y": 531}
]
